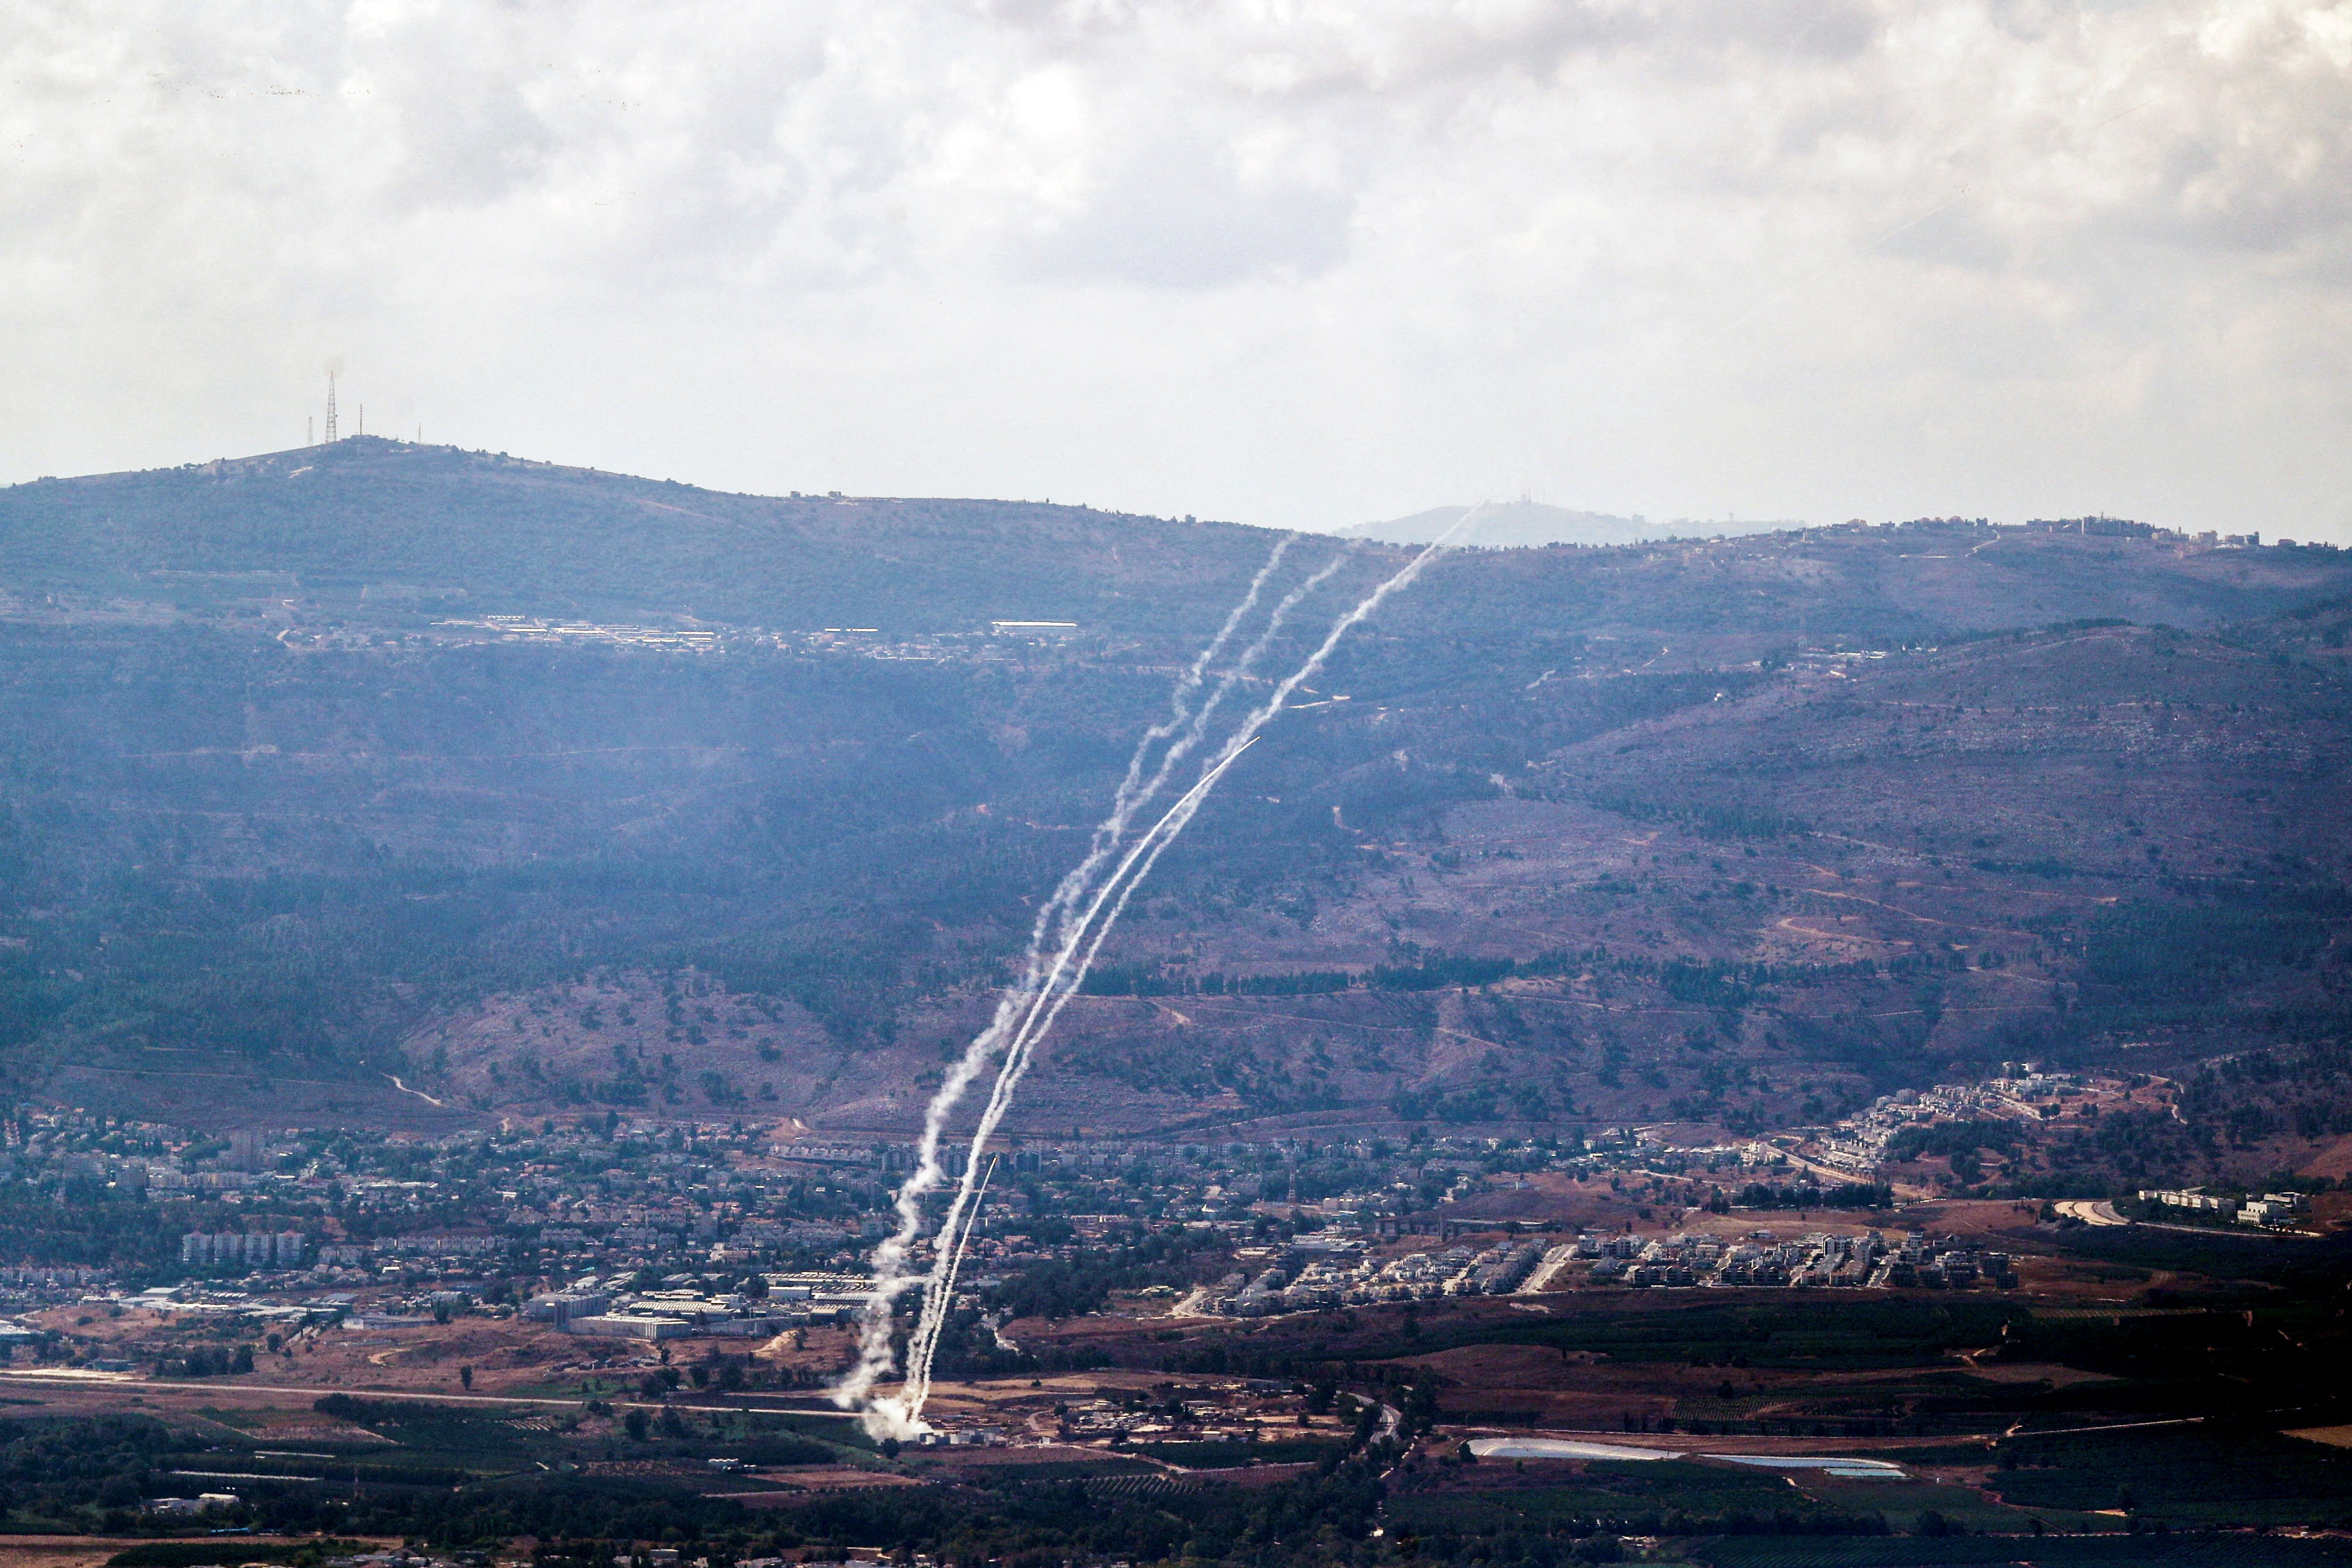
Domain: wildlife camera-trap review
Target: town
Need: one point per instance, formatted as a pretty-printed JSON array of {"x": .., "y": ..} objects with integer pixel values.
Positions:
[{"x": 602, "y": 1225}]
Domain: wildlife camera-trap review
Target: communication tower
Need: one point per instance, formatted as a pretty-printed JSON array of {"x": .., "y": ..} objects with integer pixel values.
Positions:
[{"x": 331, "y": 404}]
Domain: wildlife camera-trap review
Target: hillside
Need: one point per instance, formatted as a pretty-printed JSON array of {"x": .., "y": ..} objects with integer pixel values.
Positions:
[
  {"x": 374, "y": 759},
  {"x": 436, "y": 532}
]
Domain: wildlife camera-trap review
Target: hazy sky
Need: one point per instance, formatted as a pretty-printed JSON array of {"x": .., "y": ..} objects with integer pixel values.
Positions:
[{"x": 1284, "y": 261}]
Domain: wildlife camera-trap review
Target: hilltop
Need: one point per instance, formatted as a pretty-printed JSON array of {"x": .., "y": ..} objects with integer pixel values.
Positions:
[
  {"x": 435, "y": 530},
  {"x": 374, "y": 759}
]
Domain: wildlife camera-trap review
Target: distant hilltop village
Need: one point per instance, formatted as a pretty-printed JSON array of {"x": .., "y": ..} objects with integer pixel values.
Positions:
[
  {"x": 2125, "y": 528},
  {"x": 1524, "y": 525}
]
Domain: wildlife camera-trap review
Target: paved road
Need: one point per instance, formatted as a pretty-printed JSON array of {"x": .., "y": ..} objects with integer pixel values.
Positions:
[{"x": 1553, "y": 1263}]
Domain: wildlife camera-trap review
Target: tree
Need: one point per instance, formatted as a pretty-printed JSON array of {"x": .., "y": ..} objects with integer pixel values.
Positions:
[
  {"x": 635, "y": 1422},
  {"x": 466, "y": 1377}
]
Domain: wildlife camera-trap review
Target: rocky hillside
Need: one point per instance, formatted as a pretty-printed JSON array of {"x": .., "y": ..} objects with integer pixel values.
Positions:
[{"x": 373, "y": 760}]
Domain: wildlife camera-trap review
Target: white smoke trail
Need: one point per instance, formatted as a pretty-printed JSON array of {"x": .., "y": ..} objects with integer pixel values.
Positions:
[
  {"x": 922, "y": 1344},
  {"x": 890, "y": 1278},
  {"x": 902, "y": 1414},
  {"x": 1146, "y": 851},
  {"x": 964, "y": 1240},
  {"x": 1241, "y": 667},
  {"x": 1048, "y": 1003},
  {"x": 1132, "y": 792},
  {"x": 1135, "y": 792}
]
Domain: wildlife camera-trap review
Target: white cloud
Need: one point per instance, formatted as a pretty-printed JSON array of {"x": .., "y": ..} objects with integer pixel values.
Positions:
[{"x": 1286, "y": 260}]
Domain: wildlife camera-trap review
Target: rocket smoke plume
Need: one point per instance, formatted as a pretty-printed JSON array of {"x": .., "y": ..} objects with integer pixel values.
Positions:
[
  {"x": 1083, "y": 913},
  {"x": 1060, "y": 978},
  {"x": 1077, "y": 919},
  {"x": 1102, "y": 914},
  {"x": 1045, "y": 1005},
  {"x": 964, "y": 1240},
  {"x": 891, "y": 1277}
]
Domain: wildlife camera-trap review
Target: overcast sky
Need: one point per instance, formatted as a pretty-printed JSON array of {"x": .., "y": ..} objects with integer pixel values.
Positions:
[{"x": 1300, "y": 262}]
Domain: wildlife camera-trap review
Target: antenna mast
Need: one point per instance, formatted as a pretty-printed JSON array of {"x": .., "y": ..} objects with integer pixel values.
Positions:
[{"x": 331, "y": 405}]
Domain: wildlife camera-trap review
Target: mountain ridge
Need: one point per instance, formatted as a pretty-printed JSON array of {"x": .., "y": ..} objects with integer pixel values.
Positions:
[
  {"x": 551, "y": 538},
  {"x": 1570, "y": 834}
]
